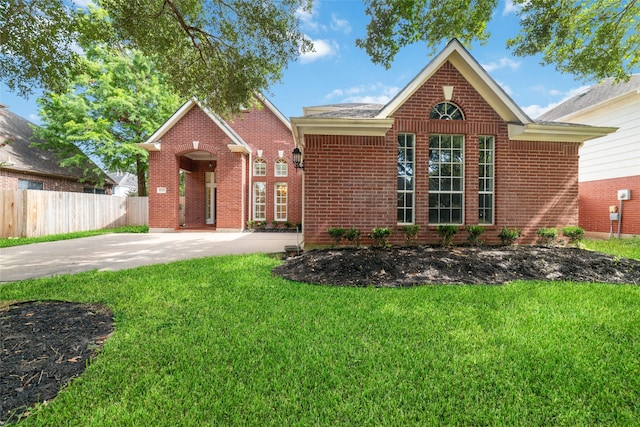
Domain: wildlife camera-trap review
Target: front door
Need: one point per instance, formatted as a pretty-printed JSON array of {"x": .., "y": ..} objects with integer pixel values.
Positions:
[{"x": 210, "y": 197}]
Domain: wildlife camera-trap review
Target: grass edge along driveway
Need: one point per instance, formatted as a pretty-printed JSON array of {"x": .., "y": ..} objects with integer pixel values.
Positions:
[{"x": 220, "y": 341}]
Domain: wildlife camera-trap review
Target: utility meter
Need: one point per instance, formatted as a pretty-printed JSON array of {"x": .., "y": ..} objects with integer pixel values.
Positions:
[{"x": 624, "y": 194}]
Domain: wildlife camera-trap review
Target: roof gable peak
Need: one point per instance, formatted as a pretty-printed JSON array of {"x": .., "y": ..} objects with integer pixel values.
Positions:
[{"x": 472, "y": 71}]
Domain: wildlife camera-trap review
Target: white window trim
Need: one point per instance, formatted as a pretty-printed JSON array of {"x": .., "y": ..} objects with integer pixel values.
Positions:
[
  {"x": 280, "y": 161},
  {"x": 493, "y": 192},
  {"x": 275, "y": 202},
  {"x": 255, "y": 211},
  {"x": 262, "y": 161},
  {"x": 413, "y": 192},
  {"x": 462, "y": 192}
]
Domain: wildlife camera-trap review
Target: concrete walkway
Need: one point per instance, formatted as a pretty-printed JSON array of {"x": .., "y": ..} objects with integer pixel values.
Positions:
[{"x": 124, "y": 250}]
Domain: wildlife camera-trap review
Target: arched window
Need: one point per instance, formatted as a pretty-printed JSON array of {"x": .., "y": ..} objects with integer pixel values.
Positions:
[
  {"x": 259, "y": 167},
  {"x": 446, "y": 111},
  {"x": 281, "y": 167}
]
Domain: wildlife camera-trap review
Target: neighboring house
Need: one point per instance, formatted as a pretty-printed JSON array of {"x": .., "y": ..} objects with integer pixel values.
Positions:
[
  {"x": 126, "y": 183},
  {"x": 23, "y": 167},
  {"x": 451, "y": 148},
  {"x": 235, "y": 171},
  {"x": 610, "y": 163}
]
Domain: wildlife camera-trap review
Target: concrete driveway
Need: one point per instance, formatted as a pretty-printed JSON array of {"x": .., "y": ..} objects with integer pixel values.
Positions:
[{"x": 120, "y": 251}]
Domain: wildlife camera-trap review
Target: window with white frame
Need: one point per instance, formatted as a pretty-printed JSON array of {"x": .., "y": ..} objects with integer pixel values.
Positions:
[
  {"x": 282, "y": 168},
  {"x": 446, "y": 179},
  {"x": 446, "y": 111},
  {"x": 259, "y": 201},
  {"x": 281, "y": 201},
  {"x": 29, "y": 184},
  {"x": 406, "y": 178},
  {"x": 259, "y": 167},
  {"x": 486, "y": 175}
]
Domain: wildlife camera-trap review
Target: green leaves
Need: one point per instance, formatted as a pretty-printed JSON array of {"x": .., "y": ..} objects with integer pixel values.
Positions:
[
  {"x": 105, "y": 112},
  {"x": 596, "y": 39}
]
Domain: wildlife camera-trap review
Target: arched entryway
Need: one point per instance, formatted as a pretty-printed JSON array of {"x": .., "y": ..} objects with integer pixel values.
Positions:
[{"x": 198, "y": 190}]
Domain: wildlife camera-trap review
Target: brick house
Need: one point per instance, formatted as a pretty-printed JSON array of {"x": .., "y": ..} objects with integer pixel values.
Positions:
[
  {"x": 610, "y": 163},
  {"x": 451, "y": 148},
  {"x": 234, "y": 170},
  {"x": 24, "y": 167}
]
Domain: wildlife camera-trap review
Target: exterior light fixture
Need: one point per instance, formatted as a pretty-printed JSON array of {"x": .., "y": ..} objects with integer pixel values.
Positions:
[
  {"x": 210, "y": 162},
  {"x": 298, "y": 163}
]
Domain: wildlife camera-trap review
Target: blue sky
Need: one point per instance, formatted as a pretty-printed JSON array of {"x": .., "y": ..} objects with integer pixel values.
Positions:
[{"x": 339, "y": 72}]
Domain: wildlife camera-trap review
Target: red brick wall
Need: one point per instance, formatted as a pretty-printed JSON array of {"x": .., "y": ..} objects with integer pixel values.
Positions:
[
  {"x": 597, "y": 196},
  {"x": 259, "y": 128},
  {"x": 351, "y": 181},
  {"x": 9, "y": 181}
]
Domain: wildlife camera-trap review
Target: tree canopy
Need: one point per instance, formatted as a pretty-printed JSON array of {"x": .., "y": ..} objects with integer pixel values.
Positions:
[
  {"x": 590, "y": 39},
  {"x": 119, "y": 100},
  {"x": 221, "y": 51}
]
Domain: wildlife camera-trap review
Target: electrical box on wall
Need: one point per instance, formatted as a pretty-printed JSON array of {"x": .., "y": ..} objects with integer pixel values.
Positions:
[{"x": 624, "y": 194}]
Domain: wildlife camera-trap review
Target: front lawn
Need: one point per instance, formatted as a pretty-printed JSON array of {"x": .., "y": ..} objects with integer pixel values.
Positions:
[{"x": 220, "y": 341}]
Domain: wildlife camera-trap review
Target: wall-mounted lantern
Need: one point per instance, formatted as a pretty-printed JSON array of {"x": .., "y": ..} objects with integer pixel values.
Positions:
[{"x": 298, "y": 163}]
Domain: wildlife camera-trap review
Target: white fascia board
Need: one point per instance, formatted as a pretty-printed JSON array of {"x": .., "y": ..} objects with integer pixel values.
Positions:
[
  {"x": 338, "y": 126},
  {"x": 481, "y": 81},
  {"x": 557, "y": 133},
  {"x": 169, "y": 123},
  {"x": 274, "y": 110},
  {"x": 151, "y": 146}
]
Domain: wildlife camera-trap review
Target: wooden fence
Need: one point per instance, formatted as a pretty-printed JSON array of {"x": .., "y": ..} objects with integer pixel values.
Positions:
[{"x": 32, "y": 213}]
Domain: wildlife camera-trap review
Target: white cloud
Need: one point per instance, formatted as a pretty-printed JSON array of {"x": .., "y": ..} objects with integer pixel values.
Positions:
[
  {"x": 309, "y": 20},
  {"x": 536, "y": 110},
  {"x": 506, "y": 88},
  {"x": 82, "y": 3},
  {"x": 374, "y": 93},
  {"x": 322, "y": 48},
  {"x": 341, "y": 25},
  {"x": 510, "y": 7},
  {"x": 501, "y": 63},
  {"x": 34, "y": 118}
]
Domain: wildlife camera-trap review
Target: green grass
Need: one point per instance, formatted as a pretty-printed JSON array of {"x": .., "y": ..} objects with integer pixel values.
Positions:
[
  {"x": 219, "y": 341},
  {"x": 5, "y": 243},
  {"x": 625, "y": 248}
]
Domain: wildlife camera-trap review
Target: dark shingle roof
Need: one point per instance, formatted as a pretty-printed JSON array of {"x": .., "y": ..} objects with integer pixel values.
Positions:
[
  {"x": 346, "y": 111},
  {"x": 18, "y": 155},
  {"x": 592, "y": 96}
]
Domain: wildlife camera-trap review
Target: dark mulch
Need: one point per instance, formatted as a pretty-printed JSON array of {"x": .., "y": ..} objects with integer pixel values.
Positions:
[
  {"x": 418, "y": 265},
  {"x": 43, "y": 346}
]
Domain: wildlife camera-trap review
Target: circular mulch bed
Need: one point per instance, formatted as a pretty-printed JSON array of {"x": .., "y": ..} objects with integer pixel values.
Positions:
[{"x": 43, "y": 346}]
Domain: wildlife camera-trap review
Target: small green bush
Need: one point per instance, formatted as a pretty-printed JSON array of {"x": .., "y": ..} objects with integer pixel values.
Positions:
[
  {"x": 411, "y": 233},
  {"x": 574, "y": 233},
  {"x": 336, "y": 234},
  {"x": 547, "y": 236},
  {"x": 475, "y": 231},
  {"x": 251, "y": 224},
  {"x": 353, "y": 235},
  {"x": 287, "y": 224},
  {"x": 446, "y": 234},
  {"x": 508, "y": 236},
  {"x": 380, "y": 237}
]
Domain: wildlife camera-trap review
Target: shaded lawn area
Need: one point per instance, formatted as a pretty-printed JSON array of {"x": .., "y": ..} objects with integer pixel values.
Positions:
[{"x": 220, "y": 341}]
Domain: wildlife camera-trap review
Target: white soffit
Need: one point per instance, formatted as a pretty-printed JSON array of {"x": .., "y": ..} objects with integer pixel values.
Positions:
[{"x": 557, "y": 133}]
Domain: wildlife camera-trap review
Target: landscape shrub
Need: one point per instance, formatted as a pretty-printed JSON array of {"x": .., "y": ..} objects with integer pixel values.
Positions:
[
  {"x": 353, "y": 235},
  {"x": 446, "y": 234},
  {"x": 380, "y": 237},
  {"x": 336, "y": 234},
  {"x": 508, "y": 236},
  {"x": 547, "y": 236},
  {"x": 574, "y": 233},
  {"x": 475, "y": 231},
  {"x": 411, "y": 233}
]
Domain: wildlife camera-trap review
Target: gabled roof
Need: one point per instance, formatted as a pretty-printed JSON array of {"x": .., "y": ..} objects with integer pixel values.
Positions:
[
  {"x": 371, "y": 120},
  {"x": 594, "y": 97},
  {"x": 238, "y": 144},
  {"x": 18, "y": 155},
  {"x": 467, "y": 65},
  {"x": 154, "y": 142}
]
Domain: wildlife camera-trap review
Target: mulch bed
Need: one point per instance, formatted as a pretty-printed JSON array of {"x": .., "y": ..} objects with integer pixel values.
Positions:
[
  {"x": 43, "y": 346},
  {"x": 419, "y": 265}
]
